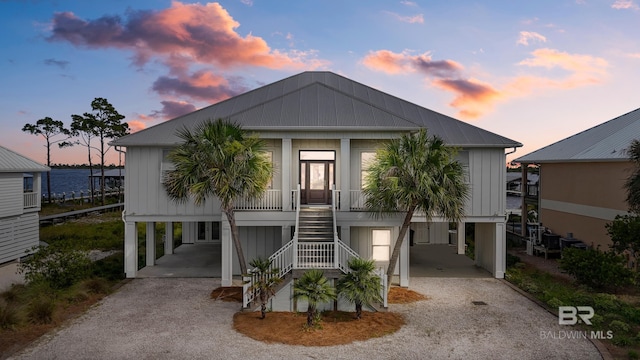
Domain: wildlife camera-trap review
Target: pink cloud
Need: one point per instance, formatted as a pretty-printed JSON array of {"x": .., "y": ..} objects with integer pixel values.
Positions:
[
  {"x": 394, "y": 63},
  {"x": 526, "y": 36},
  {"x": 474, "y": 98},
  {"x": 193, "y": 41},
  {"x": 624, "y": 5},
  {"x": 202, "y": 33}
]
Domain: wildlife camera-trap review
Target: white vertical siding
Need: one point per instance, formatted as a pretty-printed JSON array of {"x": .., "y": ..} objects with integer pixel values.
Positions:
[
  {"x": 430, "y": 233},
  {"x": 485, "y": 245},
  {"x": 257, "y": 241},
  {"x": 145, "y": 194},
  {"x": 18, "y": 234},
  {"x": 11, "y": 194},
  {"x": 487, "y": 172}
]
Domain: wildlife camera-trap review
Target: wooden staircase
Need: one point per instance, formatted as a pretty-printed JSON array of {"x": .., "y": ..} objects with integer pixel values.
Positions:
[{"x": 316, "y": 224}]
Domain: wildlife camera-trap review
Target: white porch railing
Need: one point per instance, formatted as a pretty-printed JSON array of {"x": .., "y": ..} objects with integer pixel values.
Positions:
[
  {"x": 312, "y": 255},
  {"x": 272, "y": 200},
  {"x": 356, "y": 200},
  {"x": 30, "y": 200}
]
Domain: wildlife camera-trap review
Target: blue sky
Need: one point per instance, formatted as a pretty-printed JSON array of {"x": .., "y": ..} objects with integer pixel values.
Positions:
[{"x": 535, "y": 71}]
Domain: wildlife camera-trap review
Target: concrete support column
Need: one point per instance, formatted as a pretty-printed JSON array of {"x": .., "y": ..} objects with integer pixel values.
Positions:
[
  {"x": 168, "y": 238},
  {"x": 345, "y": 174},
  {"x": 500, "y": 251},
  {"x": 130, "y": 249},
  {"x": 151, "y": 243},
  {"x": 404, "y": 261},
  {"x": 286, "y": 174},
  {"x": 461, "y": 238},
  {"x": 226, "y": 253}
]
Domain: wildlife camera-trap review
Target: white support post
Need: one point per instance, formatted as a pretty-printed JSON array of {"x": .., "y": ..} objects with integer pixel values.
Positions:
[
  {"x": 285, "y": 172},
  {"x": 130, "y": 249},
  {"x": 500, "y": 251},
  {"x": 168, "y": 238},
  {"x": 345, "y": 174},
  {"x": 226, "y": 253},
  {"x": 151, "y": 243},
  {"x": 404, "y": 262},
  {"x": 461, "y": 238}
]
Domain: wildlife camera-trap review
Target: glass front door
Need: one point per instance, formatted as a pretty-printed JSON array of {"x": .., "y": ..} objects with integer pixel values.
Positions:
[{"x": 316, "y": 176}]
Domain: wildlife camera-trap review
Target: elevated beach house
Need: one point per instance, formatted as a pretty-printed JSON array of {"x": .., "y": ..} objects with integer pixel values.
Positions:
[
  {"x": 582, "y": 179},
  {"x": 20, "y": 201},
  {"x": 321, "y": 130}
]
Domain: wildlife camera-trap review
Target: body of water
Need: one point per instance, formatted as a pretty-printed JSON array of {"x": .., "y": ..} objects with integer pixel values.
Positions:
[{"x": 67, "y": 180}]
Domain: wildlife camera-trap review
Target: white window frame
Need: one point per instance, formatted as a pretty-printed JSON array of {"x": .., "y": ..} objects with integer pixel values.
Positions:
[{"x": 381, "y": 245}]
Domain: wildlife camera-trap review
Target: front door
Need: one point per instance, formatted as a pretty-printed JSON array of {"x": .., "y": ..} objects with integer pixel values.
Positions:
[{"x": 316, "y": 177}]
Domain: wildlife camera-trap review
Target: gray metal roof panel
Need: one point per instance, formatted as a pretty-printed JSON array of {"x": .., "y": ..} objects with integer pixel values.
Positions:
[
  {"x": 12, "y": 162},
  {"x": 321, "y": 99},
  {"x": 605, "y": 142}
]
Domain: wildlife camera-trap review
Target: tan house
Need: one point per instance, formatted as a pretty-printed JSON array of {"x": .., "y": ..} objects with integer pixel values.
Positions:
[{"x": 582, "y": 179}]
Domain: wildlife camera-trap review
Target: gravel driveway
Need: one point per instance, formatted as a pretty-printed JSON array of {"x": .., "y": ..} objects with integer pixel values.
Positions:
[{"x": 164, "y": 318}]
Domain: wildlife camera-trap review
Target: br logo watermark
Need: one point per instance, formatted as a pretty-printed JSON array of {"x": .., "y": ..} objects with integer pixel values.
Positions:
[{"x": 571, "y": 315}]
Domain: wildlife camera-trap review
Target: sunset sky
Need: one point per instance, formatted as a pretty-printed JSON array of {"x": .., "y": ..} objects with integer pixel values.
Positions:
[{"x": 533, "y": 71}]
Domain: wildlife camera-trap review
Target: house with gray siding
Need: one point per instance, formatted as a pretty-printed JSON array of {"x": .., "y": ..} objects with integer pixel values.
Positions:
[
  {"x": 20, "y": 201},
  {"x": 321, "y": 129}
]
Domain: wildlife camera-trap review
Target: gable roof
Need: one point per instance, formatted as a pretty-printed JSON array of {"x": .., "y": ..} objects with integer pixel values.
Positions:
[
  {"x": 605, "y": 142},
  {"x": 321, "y": 101},
  {"x": 12, "y": 162}
]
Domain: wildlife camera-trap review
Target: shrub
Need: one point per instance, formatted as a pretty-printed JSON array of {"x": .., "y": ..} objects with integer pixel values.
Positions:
[
  {"x": 57, "y": 266},
  {"x": 512, "y": 260},
  {"x": 8, "y": 317},
  {"x": 596, "y": 269},
  {"x": 40, "y": 310}
]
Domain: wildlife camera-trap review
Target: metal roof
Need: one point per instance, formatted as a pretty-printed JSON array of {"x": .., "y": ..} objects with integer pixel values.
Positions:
[
  {"x": 321, "y": 101},
  {"x": 12, "y": 162},
  {"x": 605, "y": 142}
]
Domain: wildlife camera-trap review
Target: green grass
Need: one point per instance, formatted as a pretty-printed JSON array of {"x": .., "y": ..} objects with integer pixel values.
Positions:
[{"x": 105, "y": 235}]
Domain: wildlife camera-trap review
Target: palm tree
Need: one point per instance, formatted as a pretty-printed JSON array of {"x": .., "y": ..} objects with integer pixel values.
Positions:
[
  {"x": 265, "y": 280},
  {"x": 633, "y": 182},
  {"x": 361, "y": 285},
  {"x": 314, "y": 288},
  {"x": 416, "y": 172},
  {"x": 219, "y": 159}
]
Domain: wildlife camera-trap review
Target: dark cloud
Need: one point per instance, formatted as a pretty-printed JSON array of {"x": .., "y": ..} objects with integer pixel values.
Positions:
[
  {"x": 173, "y": 109},
  {"x": 201, "y": 85}
]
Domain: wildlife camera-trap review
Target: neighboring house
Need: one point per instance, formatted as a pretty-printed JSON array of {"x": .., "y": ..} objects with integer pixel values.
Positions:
[
  {"x": 321, "y": 129},
  {"x": 582, "y": 179},
  {"x": 19, "y": 204}
]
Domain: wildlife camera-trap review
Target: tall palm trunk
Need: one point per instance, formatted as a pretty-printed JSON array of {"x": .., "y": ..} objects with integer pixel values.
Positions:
[
  {"x": 231, "y": 217},
  {"x": 396, "y": 248}
]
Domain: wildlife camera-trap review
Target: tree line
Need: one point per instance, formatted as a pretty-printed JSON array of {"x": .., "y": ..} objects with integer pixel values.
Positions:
[{"x": 92, "y": 130}]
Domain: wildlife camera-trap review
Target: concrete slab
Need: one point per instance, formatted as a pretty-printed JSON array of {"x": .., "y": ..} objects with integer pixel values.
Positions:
[
  {"x": 442, "y": 261},
  {"x": 188, "y": 260}
]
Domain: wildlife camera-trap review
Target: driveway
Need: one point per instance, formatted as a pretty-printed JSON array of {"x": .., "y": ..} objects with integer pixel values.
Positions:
[{"x": 169, "y": 318}]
